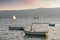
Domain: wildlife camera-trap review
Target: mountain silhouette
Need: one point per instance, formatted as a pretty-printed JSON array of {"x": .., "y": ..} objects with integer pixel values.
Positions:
[{"x": 40, "y": 12}]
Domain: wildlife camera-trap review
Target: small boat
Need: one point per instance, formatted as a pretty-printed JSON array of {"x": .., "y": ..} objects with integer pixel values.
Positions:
[
  {"x": 14, "y": 17},
  {"x": 51, "y": 24},
  {"x": 36, "y": 33},
  {"x": 16, "y": 28}
]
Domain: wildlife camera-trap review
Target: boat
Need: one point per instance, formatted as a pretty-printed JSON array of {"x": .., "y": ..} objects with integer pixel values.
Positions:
[
  {"x": 16, "y": 28},
  {"x": 35, "y": 33},
  {"x": 14, "y": 17},
  {"x": 52, "y": 25}
]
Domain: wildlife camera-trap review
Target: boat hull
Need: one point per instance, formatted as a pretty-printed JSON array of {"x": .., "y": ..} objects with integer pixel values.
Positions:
[
  {"x": 16, "y": 28},
  {"x": 35, "y": 33}
]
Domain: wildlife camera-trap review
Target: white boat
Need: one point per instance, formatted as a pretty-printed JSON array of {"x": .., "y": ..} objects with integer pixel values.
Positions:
[
  {"x": 14, "y": 17},
  {"x": 36, "y": 33}
]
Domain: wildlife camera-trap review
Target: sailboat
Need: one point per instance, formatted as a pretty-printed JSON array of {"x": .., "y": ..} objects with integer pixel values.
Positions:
[
  {"x": 35, "y": 33},
  {"x": 14, "y": 17}
]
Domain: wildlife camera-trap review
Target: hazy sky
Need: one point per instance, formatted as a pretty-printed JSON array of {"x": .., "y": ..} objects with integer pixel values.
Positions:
[{"x": 28, "y": 4}]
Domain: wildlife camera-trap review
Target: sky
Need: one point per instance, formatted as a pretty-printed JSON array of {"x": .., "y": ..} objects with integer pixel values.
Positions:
[{"x": 28, "y": 4}]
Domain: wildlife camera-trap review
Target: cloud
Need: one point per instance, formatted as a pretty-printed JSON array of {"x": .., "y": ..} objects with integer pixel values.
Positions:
[
  {"x": 41, "y": 4},
  {"x": 26, "y": 4},
  {"x": 23, "y": 7},
  {"x": 30, "y": 1},
  {"x": 45, "y": 5}
]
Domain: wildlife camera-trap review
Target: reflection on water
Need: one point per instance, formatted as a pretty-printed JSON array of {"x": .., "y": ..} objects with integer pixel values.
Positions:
[
  {"x": 34, "y": 38},
  {"x": 18, "y": 35}
]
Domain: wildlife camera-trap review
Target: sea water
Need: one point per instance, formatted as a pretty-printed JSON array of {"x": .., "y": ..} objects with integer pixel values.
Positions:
[{"x": 6, "y": 34}]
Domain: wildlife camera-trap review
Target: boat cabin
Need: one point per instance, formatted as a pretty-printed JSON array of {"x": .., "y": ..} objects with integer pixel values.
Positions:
[{"x": 38, "y": 29}]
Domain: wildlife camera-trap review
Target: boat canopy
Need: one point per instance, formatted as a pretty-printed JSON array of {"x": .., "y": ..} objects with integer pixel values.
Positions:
[{"x": 40, "y": 27}]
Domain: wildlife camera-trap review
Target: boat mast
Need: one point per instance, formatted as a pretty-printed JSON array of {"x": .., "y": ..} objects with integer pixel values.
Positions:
[{"x": 31, "y": 28}]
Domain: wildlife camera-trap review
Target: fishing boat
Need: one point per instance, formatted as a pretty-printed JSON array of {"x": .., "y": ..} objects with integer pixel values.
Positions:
[
  {"x": 52, "y": 25},
  {"x": 35, "y": 33},
  {"x": 16, "y": 28}
]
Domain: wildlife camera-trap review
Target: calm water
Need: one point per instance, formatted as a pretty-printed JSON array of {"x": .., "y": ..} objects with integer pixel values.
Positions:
[{"x": 6, "y": 34}]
